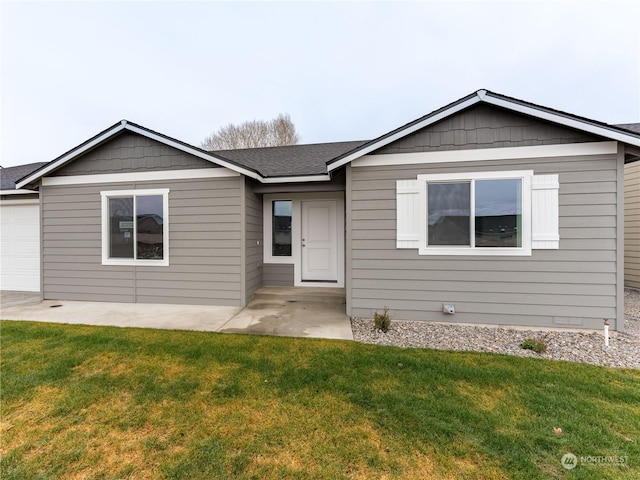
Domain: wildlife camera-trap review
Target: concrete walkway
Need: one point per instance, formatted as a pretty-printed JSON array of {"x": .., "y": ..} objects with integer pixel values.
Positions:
[
  {"x": 263, "y": 316},
  {"x": 286, "y": 311}
]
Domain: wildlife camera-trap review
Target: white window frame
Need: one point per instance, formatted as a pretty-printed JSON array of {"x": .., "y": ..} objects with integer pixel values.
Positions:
[
  {"x": 524, "y": 175},
  {"x": 267, "y": 215},
  {"x": 106, "y": 260}
]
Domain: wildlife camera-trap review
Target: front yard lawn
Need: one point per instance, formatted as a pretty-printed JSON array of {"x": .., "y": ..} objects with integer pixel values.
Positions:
[{"x": 102, "y": 402}]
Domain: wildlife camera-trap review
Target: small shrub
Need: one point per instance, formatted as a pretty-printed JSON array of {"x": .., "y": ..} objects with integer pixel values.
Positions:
[
  {"x": 537, "y": 345},
  {"x": 382, "y": 321}
]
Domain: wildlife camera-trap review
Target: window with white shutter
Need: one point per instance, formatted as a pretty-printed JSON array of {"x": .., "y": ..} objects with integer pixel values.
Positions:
[
  {"x": 408, "y": 211},
  {"x": 480, "y": 213},
  {"x": 544, "y": 205}
]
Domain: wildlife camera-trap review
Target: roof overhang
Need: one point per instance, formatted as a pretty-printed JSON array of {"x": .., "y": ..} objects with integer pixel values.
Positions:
[
  {"x": 132, "y": 127},
  {"x": 631, "y": 154},
  {"x": 298, "y": 179},
  {"x": 490, "y": 98},
  {"x": 21, "y": 191}
]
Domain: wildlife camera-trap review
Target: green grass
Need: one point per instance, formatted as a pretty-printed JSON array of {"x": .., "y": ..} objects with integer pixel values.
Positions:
[{"x": 98, "y": 402}]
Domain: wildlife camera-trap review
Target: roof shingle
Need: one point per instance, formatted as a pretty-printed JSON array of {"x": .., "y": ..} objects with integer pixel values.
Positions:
[
  {"x": 632, "y": 127},
  {"x": 10, "y": 175},
  {"x": 291, "y": 160}
]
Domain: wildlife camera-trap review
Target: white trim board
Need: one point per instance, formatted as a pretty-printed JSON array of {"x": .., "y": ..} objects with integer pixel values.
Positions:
[
  {"x": 20, "y": 201},
  {"x": 191, "y": 150},
  {"x": 484, "y": 96},
  {"x": 124, "y": 125},
  {"x": 140, "y": 176},
  {"x": 301, "y": 179},
  {"x": 567, "y": 121},
  {"x": 21, "y": 191},
  {"x": 385, "y": 141},
  {"x": 485, "y": 154}
]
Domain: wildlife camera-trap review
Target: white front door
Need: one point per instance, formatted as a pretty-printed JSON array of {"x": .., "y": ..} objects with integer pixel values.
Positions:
[{"x": 319, "y": 246}]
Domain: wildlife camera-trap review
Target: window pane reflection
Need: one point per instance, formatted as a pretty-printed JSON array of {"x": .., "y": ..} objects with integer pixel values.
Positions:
[
  {"x": 281, "y": 240},
  {"x": 498, "y": 213},
  {"x": 448, "y": 213},
  {"x": 149, "y": 227},
  {"x": 121, "y": 227}
]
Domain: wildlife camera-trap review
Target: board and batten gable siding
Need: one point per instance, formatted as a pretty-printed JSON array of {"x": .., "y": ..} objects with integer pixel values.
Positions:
[
  {"x": 485, "y": 126},
  {"x": 632, "y": 225},
  {"x": 129, "y": 152},
  {"x": 253, "y": 239},
  {"x": 204, "y": 246},
  {"x": 574, "y": 286}
]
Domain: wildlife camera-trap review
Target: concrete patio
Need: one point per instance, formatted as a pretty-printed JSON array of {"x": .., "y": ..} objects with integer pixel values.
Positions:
[{"x": 283, "y": 311}]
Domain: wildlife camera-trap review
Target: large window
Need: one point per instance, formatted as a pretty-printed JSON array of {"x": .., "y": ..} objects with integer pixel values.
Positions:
[
  {"x": 135, "y": 227},
  {"x": 476, "y": 213}
]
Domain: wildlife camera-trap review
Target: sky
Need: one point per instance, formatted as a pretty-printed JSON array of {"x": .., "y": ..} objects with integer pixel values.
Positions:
[{"x": 341, "y": 70}]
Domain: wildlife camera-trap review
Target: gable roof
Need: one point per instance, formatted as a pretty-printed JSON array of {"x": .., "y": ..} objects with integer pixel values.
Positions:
[
  {"x": 10, "y": 175},
  {"x": 291, "y": 160},
  {"x": 125, "y": 125},
  {"x": 294, "y": 163},
  {"x": 315, "y": 162},
  {"x": 612, "y": 132}
]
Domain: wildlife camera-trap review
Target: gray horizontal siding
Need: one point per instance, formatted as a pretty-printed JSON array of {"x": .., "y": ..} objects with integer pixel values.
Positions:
[
  {"x": 129, "y": 152},
  {"x": 485, "y": 126},
  {"x": 204, "y": 246},
  {"x": 253, "y": 240},
  {"x": 277, "y": 275},
  {"x": 573, "y": 286},
  {"x": 632, "y": 225}
]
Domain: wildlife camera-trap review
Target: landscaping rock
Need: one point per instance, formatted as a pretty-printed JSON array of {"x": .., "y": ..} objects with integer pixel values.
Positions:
[{"x": 585, "y": 347}]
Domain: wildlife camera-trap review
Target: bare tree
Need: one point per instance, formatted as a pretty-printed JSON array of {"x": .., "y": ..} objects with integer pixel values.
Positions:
[{"x": 255, "y": 133}]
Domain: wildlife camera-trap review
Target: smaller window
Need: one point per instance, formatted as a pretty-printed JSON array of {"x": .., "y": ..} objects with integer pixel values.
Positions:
[
  {"x": 135, "y": 227},
  {"x": 281, "y": 228}
]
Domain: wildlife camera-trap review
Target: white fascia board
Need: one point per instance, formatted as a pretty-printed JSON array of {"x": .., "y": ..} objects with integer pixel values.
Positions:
[
  {"x": 194, "y": 152},
  {"x": 403, "y": 133},
  {"x": 20, "y": 201},
  {"x": 302, "y": 179},
  {"x": 62, "y": 160},
  {"x": 126, "y": 126},
  {"x": 484, "y": 154},
  {"x": 21, "y": 191},
  {"x": 156, "y": 176},
  {"x": 562, "y": 120}
]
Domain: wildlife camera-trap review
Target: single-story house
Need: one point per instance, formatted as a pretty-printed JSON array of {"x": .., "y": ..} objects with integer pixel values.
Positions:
[{"x": 509, "y": 212}]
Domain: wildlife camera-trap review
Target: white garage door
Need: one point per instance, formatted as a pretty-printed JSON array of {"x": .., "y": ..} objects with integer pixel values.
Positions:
[{"x": 20, "y": 245}]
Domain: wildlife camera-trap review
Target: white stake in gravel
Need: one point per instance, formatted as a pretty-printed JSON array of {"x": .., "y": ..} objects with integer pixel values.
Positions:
[{"x": 606, "y": 333}]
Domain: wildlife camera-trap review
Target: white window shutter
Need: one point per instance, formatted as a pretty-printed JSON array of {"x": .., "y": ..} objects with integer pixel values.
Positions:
[
  {"x": 407, "y": 212},
  {"x": 545, "y": 212}
]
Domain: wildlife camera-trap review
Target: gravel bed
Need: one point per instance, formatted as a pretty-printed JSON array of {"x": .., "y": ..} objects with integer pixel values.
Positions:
[{"x": 584, "y": 347}]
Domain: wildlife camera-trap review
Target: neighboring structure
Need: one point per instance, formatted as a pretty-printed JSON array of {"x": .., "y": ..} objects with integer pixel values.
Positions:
[
  {"x": 19, "y": 231},
  {"x": 632, "y": 218},
  {"x": 510, "y": 212}
]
